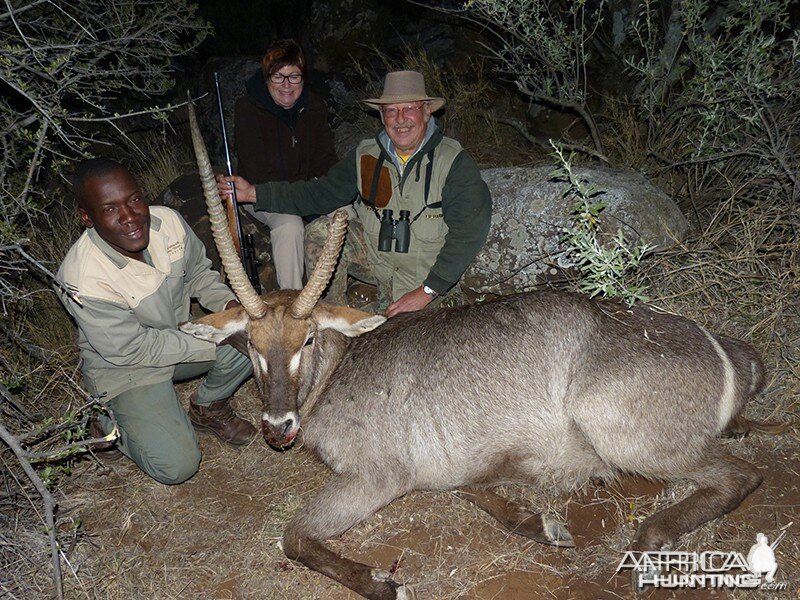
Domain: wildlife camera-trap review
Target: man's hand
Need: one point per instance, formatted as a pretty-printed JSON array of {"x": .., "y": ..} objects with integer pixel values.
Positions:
[
  {"x": 412, "y": 301},
  {"x": 245, "y": 191}
]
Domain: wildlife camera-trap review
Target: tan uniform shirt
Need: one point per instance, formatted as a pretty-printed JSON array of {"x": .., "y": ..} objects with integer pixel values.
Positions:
[{"x": 127, "y": 324}]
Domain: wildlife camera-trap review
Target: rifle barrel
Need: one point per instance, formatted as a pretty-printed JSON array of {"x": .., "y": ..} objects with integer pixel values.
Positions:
[
  {"x": 222, "y": 125},
  {"x": 246, "y": 244},
  {"x": 234, "y": 200}
]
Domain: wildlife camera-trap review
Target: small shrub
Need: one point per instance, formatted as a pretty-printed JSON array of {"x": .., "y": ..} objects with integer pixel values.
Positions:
[{"x": 604, "y": 264}]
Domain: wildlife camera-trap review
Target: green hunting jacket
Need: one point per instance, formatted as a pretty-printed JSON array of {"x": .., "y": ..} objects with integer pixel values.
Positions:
[
  {"x": 129, "y": 310},
  {"x": 447, "y": 236}
]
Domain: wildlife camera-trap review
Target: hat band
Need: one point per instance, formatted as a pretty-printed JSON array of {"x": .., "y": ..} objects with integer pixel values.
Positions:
[{"x": 398, "y": 99}]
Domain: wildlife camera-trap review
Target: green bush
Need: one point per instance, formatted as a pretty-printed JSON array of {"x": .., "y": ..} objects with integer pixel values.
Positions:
[
  {"x": 706, "y": 92},
  {"x": 719, "y": 92},
  {"x": 605, "y": 263}
]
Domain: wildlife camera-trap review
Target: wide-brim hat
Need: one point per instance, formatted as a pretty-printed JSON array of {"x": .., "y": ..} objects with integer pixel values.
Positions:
[{"x": 404, "y": 86}]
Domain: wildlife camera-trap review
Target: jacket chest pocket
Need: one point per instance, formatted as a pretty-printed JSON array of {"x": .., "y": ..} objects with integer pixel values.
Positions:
[
  {"x": 175, "y": 286},
  {"x": 429, "y": 226},
  {"x": 369, "y": 221}
]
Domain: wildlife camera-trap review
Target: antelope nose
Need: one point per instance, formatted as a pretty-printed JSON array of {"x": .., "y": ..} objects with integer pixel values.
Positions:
[
  {"x": 286, "y": 426},
  {"x": 280, "y": 431}
]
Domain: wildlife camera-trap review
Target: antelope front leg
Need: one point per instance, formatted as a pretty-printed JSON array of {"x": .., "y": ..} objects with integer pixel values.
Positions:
[
  {"x": 517, "y": 519},
  {"x": 339, "y": 506}
]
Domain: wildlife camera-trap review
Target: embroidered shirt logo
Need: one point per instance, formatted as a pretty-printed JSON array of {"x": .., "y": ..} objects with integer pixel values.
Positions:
[{"x": 175, "y": 249}]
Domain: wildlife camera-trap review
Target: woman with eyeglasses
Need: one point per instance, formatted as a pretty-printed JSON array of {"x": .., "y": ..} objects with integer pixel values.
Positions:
[{"x": 282, "y": 134}]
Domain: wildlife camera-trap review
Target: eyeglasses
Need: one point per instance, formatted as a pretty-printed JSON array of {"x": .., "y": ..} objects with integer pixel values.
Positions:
[
  {"x": 279, "y": 78},
  {"x": 410, "y": 110}
]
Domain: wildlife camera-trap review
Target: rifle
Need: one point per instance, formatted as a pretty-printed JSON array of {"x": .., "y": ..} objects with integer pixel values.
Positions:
[{"x": 245, "y": 245}]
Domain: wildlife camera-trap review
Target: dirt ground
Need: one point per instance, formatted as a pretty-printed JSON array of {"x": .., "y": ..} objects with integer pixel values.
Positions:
[{"x": 218, "y": 535}]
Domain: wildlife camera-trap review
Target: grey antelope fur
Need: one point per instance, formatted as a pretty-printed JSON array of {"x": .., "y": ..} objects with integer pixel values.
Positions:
[{"x": 548, "y": 387}]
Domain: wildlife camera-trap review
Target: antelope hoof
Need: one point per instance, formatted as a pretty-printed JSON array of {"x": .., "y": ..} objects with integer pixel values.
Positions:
[
  {"x": 642, "y": 579},
  {"x": 556, "y": 534},
  {"x": 402, "y": 592},
  {"x": 406, "y": 592},
  {"x": 382, "y": 576}
]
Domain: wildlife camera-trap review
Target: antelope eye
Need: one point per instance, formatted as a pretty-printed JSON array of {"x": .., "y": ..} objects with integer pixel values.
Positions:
[{"x": 309, "y": 341}]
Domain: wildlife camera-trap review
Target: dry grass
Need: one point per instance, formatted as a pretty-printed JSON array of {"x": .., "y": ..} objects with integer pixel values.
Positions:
[
  {"x": 164, "y": 162},
  {"x": 740, "y": 276}
]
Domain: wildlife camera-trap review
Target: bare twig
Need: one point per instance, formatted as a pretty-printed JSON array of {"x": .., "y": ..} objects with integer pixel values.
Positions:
[
  {"x": 542, "y": 142},
  {"x": 49, "y": 505},
  {"x": 35, "y": 162},
  {"x": 9, "y": 397},
  {"x": 35, "y": 263},
  {"x": 37, "y": 352}
]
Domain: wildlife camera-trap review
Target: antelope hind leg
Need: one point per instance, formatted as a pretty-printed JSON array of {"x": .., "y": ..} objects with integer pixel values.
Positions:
[
  {"x": 340, "y": 505},
  {"x": 722, "y": 485},
  {"x": 519, "y": 520}
]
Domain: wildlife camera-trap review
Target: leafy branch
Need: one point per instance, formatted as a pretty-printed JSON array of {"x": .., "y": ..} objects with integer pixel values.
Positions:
[
  {"x": 604, "y": 262},
  {"x": 74, "y": 73}
]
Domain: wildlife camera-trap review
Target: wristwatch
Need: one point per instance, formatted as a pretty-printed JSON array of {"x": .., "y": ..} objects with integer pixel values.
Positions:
[{"x": 431, "y": 292}]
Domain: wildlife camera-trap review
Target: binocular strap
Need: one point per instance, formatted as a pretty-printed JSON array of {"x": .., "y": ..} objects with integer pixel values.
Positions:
[{"x": 373, "y": 192}]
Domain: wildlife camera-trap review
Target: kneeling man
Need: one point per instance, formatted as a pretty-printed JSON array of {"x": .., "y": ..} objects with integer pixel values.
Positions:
[{"x": 135, "y": 271}]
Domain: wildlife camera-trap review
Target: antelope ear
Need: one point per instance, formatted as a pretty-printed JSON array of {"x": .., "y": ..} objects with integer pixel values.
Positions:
[
  {"x": 349, "y": 321},
  {"x": 218, "y": 326}
]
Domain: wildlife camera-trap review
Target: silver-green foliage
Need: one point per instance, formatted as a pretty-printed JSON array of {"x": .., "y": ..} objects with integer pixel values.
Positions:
[
  {"x": 71, "y": 71},
  {"x": 605, "y": 262},
  {"x": 714, "y": 86},
  {"x": 543, "y": 47},
  {"x": 730, "y": 98}
]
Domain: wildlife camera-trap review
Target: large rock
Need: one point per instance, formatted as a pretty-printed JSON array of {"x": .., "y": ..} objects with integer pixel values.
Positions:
[{"x": 523, "y": 247}]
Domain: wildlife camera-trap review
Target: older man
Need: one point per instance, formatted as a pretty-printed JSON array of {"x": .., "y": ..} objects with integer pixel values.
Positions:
[
  {"x": 134, "y": 271},
  {"x": 425, "y": 179}
]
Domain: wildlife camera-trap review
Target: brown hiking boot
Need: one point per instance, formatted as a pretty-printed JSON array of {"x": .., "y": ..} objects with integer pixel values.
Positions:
[
  {"x": 105, "y": 451},
  {"x": 219, "y": 418}
]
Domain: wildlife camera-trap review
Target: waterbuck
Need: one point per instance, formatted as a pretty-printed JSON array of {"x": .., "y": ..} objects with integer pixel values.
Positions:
[{"x": 545, "y": 387}]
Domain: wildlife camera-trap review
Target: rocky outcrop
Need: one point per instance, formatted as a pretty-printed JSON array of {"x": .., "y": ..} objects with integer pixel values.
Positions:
[{"x": 529, "y": 209}]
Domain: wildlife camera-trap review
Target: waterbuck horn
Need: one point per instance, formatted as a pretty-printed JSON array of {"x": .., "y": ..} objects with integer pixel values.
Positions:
[
  {"x": 237, "y": 277},
  {"x": 308, "y": 298}
]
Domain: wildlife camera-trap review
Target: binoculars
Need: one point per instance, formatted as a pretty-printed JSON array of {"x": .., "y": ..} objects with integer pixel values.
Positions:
[{"x": 398, "y": 230}]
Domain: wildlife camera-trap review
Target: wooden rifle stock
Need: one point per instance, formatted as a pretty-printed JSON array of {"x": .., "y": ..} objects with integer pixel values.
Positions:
[{"x": 232, "y": 212}]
